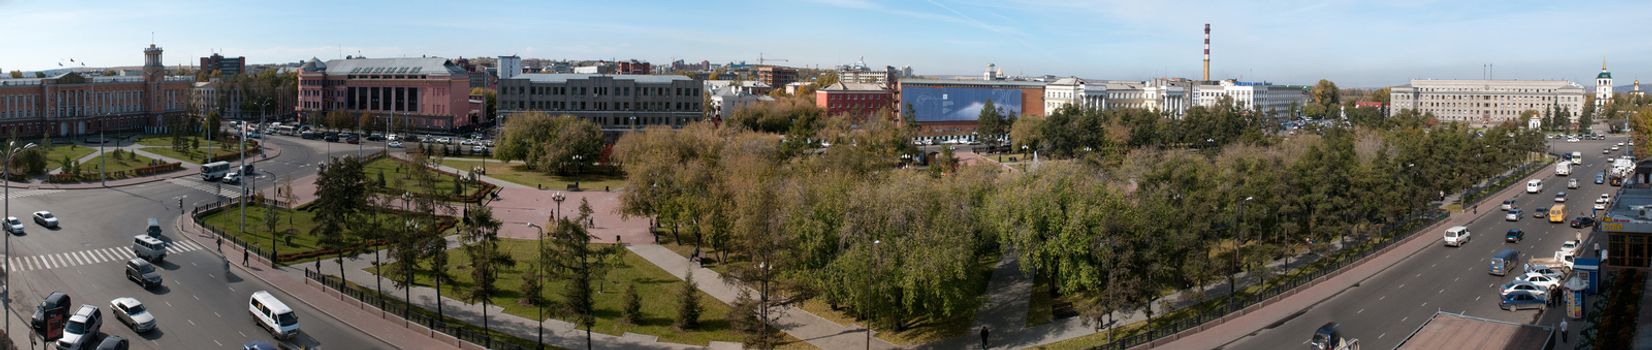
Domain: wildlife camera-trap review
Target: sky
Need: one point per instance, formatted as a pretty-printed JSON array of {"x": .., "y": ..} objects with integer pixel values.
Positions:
[{"x": 1353, "y": 43}]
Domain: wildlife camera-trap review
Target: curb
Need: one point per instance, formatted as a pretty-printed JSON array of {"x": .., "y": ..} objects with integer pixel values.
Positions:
[
  {"x": 144, "y": 180},
  {"x": 179, "y": 225}
]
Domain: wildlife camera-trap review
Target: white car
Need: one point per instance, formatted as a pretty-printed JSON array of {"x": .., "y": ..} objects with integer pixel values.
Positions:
[
  {"x": 45, "y": 218},
  {"x": 393, "y": 144},
  {"x": 132, "y": 313},
  {"x": 1538, "y": 279},
  {"x": 1620, "y": 144},
  {"x": 1456, "y": 236},
  {"x": 1572, "y": 139},
  {"x": 1571, "y": 183},
  {"x": 1569, "y": 247},
  {"x": 1600, "y": 203},
  {"x": 1517, "y": 285},
  {"x": 13, "y": 225},
  {"x": 1546, "y": 271},
  {"x": 82, "y": 327},
  {"x": 1560, "y": 197},
  {"x": 1513, "y": 215}
]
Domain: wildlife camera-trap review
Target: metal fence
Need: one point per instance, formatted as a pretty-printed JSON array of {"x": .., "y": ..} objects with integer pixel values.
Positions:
[
  {"x": 208, "y": 208},
  {"x": 447, "y": 325}
]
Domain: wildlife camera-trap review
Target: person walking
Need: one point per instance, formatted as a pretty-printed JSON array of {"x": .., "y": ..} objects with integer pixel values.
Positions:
[
  {"x": 1562, "y": 330},
  {"x": 244, "y": 257},
  {"x": 984, "y": 333}
]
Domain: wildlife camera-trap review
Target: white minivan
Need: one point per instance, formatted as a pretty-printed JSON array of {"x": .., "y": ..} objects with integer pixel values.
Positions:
[
  {"x": 1534, "y": 186},
  {"x": 273, "y": 315},
  {"x": 1456, "y": 236}
]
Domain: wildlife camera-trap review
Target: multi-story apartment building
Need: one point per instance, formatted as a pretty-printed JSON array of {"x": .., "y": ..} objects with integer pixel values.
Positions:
[
  {"x": 224, "y": 66},
  {"x": 776, "y": 75},
  {"x": 861, "y": 73},
  {"x": 1486, "y": 102},
  {"x": 854, "y": 99},
  {"x": 420, "y": 93},
  {"x": 73, "y": 104},
  {"x": 616, "y": 102}
]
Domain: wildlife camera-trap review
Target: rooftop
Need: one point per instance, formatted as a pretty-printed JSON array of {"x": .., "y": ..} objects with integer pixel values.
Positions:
[
  {"x": 1540, "y": 84},
  {"x": 842, "y": 86},
  {"x": 563, "y": 77},
  {"x": 1003, "y": 83},
  {"x": 1631, "y": 209},
  {"x": 1462, "y": 332},
  {"x": 430, "y": 66}
]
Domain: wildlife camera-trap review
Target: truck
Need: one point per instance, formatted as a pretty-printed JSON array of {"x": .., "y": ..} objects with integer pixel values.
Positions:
[
  {"x": 1563, "y": 168},
  {"x": 1560, "y": 259},
  {"x": 1328, "y": 337},
  {"x": 1622, "y": 168}
]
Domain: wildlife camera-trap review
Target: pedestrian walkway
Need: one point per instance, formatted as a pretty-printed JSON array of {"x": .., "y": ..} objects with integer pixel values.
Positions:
[
  {"x": 800, "y": 324},
  {"x": 89, "y": 256},
  {"x": 1008, "y": 293}
]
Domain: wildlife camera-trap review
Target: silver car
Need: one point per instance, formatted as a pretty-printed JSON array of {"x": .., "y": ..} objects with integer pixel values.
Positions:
[{"x": 132, "y": 313}]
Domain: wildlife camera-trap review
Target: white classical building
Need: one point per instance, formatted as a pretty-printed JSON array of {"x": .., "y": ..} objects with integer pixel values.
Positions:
[
  {"x": 1169, "y": 96},
  {"x": 1263, "y": 97},
  {"x": 728, "y": 96},
  {"x": 1603, "y": 87},
  {"x": 1486, "y": 102},
  {"x": 1074, "y": 91}
]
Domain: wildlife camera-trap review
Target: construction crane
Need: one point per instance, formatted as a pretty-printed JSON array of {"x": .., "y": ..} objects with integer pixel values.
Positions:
[{"x": 762, "y": 61}]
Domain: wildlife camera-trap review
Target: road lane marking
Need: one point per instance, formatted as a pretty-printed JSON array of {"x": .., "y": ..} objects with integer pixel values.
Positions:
[
  {"x": 243, "y": 334},
  {"x": 1402, "y": 286},
  {"x": 214, "y": 341},
  {"x": 1359, "y": 312},
  {"x": 215, "y": 313},
  {"x": 1442, "y": 291},
  {"x": 1434, "y": 266},
  {"x": 196, "y": 297},
  {"x": 1425, "y": 304},
  {"x": 1402, "y": 320},
  {"x": 191, "y": 322},
  {"x": 1454, "y": 279},
  {"x": 1476, "y": 298},
  {"x": 1382, "y": 297},
  {"x": 1384, "y": 334}
]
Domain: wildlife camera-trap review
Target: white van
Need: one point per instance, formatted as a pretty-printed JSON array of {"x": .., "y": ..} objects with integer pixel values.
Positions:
[
  {"x": 148, "y": 248},
  {"x": 1534, "y": 186},
  {"x": 1456, "y": 236},
  {"x": 273, "y": 315}
]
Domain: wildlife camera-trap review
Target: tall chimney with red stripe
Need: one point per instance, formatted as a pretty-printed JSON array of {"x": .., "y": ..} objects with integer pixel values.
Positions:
[{"x": 1207, "y": 52}]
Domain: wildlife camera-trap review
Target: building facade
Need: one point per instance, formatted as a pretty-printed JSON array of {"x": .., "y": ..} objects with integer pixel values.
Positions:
[
  {"x": 73, "y": 104},
  {"x": 1603, "y": 87},
  {"x": 952, "y": 107},
  {"x": 854, "y": 99},
  {"x": 224, "y": 66},
  {"x": 776, "y": 75},
  {"x": 1074, "y": 91},
  {"x": 861, "y": 73},
  {"x": 1169, "y": 96},
  {"x": 1262, "y": 97},
  {"x": 509, "y": 67},
  {"x": 615, "y": 102},
  {"x": 634, "y": 67},
  {"x": 1485, "y": 102},
  {"x": 426, "y": 93},
  {"x": 727, "y": 96}
]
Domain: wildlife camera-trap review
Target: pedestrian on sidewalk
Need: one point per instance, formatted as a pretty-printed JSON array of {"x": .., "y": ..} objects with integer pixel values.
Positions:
[
  {"x": 220, "y": 244},
  {"x": 984, "y": 338},
  {"x": 244, "y": 257},
  {"x": 1563, "y": 330}
]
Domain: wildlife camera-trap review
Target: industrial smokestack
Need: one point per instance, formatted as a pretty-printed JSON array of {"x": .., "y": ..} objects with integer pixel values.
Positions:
[{"x": 1207, "y": 52}]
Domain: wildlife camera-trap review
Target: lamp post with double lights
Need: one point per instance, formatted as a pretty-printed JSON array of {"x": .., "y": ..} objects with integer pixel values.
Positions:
[
  {"x": 539, "y": 267},
  {"x": 5, "y": 294}
]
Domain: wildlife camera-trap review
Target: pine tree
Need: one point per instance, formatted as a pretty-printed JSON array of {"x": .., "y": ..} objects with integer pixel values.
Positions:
[
  {"x": 688, "y": 305},
  {"x": 633, "y": 305}
]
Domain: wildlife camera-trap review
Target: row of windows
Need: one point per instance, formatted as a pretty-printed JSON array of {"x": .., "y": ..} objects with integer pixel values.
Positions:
[
  {"x": 387, "y": 99},
  {"x": 602, "y": 91},
  {"x": 18, "y": 106},
  {"x": 645, "y": 106}
]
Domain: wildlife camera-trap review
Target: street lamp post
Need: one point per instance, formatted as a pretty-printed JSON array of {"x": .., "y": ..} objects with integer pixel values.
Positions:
[
  {"x": 864, "y": 326},
  {"x": 5, "y": 294},
  {"x": 539, "y": 266},
  {"x": 1238, "y": 244},
  {"x": 558, "y": 197}
]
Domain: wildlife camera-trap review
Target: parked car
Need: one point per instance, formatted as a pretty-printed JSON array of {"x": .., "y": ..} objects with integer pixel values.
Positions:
[
  {"x": 113, "y": 342},
  {"x": 132, "y": 313},
  {"x": 330, "y": 137},
  {"x": 45, "y": 218},
  {"x": 1569, "y": 247},
  {"x": 13, "y": 225},
  {"x": 81, "y": 328},
  {"x": 1517, "y": 286},
  {"x": 1539, "y": 279},
  {"x": 1514, "y": 235},
  {"x": 1582, "y": 221},
  {"x": 1546, "y": 271},
  {"x": 1522, "y": 300}
]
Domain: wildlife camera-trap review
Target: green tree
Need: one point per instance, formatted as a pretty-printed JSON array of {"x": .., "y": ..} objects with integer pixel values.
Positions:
[
  {"x": 990, "y": 124},
  {"x": 688, "y": 304},
  {"x": 341, "y": 195},
  {"x": 632, "y": 307},
  {"x": 582, "y": 266},
  {"x": 486, "y": 260},
  {"x": 16, "y": 74},
  {"x": 550, "y": 144}
]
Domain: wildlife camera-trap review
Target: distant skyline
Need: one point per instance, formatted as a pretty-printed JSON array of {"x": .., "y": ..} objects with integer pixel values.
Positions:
[{"x": 1353, "y": 43}]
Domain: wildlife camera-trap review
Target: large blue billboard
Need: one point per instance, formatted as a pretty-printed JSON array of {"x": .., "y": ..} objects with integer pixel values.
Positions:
[{"x": 933, "y": 104}]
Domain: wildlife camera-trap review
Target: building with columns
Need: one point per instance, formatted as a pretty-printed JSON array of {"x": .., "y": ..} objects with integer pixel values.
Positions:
[
  {"x": 73, "y": 104},
  {"x": 1074, "y": 91},
  {"x": 1603, "y": 87},
  {"x": 1486, "y": 102},
  {"x": 428, "y": 94},
  {"x": 1262, "y": 97},
  {"x": 1170, "y": 96}
]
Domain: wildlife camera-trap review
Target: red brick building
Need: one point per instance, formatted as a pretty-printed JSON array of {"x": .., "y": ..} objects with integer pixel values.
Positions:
[
  {"x": 776, "y": 76},
  {"x": 633, "y": 67},
  {"x": 73, "y": 104},
  {"x": 854, "y": 99},
  {"x": 428, "y": 94}
]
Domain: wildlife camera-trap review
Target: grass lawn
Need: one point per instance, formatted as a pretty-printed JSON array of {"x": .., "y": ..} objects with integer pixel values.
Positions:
[
  {"x": 394, "y": 169},
  {"x": 520, "y": 174},
  {"x": 124, "y": 163},
  {"x": 658, "y": 288},
  {"x": 258, "y": 234},
  {"x": 56, "y": 153}
]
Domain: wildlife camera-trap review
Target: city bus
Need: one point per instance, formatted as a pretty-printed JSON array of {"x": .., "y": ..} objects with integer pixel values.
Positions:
[
  {"x": 214, "y": 170},
  {"x": 287, "y": 130}
]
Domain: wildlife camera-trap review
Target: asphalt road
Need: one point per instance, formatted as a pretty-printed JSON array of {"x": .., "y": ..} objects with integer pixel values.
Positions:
[
  {"x": 1386, "y": 308},
  {"x": 201, "y": 305}
]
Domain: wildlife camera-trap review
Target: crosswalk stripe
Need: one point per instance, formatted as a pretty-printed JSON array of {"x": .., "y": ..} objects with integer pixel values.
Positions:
[
  {"x": 88, "y": 256},
  {"x": 79, "y": 259},
  {"x": 126, "y": 254},
  {"x": 98, "y": 253},
  {"x": 49, "y": 260},
  {"x": 110, "y": 253}
]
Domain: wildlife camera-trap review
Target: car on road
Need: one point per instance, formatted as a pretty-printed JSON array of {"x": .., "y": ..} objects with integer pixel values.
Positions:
[
  {"x": 113, "y": 342},
  {"x": 1560, "y": 197},
  {"x": 375, "y": 137},
  {"x": 352, "y": 139},
  {"x": 1571, "y": 183},
  {"x": 1517, "y": 286},
  {"x": 1540, "y": 213},
  {"x": 1582, "y": 221},
  {"x": 258, "y": 345},
  {"x": 13, "y": 225},
  {"x": 1616, "y": 148},
  {"x": 444, "y": 140},
  {"x": 1456, "y": 236},
  {"x": 45, "y": 218},
  {"x": 273, "y": 315},
  {"x": 1539, "y": 279},
  {"x": 131, "y": 312},
  {"x": 393, "y": 144},
  {"x": 1534, "y": 186},
  {"x": 1513, "y": 215},
  {"x": 1569, "y": 247},
  {"x": 1600, "y": 177},
  {"x": 81, "y": 328},
  {"x": 1571, "y": 139},
  {"x": 148, "y": 248},
  {"x": 1514, "y": 235},
  {"x": 1521, "y": 300},
  {"x": 142, "y": 272},
  {"x": 478, "y": 149},
  {"x": 329, "y": 137},
  {"x": 1600, "y": 203},
  {"x": 232, "y": 178},
  {"x": 1509, "y": 204},
  {"x": 1606, "y": 151}
]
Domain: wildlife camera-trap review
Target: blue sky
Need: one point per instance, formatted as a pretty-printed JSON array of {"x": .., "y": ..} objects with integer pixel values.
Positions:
[{"x": 1355, "y": 43}]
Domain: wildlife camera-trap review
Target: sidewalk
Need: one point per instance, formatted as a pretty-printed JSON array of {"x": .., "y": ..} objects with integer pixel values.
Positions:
[
  {"x": 1233, "y": 327},
  {"x": 292, "y": 281}
]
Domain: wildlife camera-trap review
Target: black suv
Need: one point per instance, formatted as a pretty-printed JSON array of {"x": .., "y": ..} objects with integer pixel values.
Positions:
[
  {"x": 1582, "y": 221},
  {"x": 142, "y": 272}
]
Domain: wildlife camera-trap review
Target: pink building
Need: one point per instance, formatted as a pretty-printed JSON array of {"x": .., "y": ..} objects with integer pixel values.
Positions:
[
  {"x": 854, "y": 99},
  {"x": 426, "y": 94},
  {"x": 75, "y": 104}
]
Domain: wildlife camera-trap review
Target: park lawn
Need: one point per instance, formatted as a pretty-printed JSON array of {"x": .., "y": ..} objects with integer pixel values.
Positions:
[
  {"x": 192, "y": 156},
  {"x": 520, "y": 174},
  {"x": 658, "y": 288},
  {"x": 125, "y": 163},
  {"x": 391, "y": 167},
  {"x": 55, "y": 154},
  {"x": 258, "y": 233}
]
